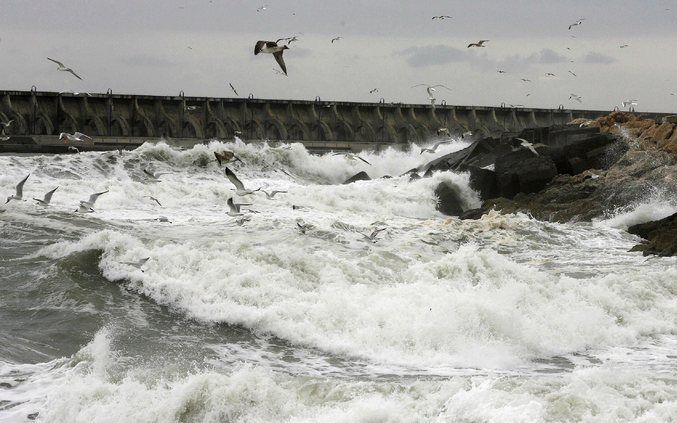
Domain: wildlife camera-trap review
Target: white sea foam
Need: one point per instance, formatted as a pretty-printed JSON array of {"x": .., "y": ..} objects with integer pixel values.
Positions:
[
  {"x": 433, "y": 295},
  {"x": 84, "y": 388}
]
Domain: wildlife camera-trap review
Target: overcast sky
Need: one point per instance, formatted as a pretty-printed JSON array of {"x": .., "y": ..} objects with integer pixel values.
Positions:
[{"x": 199, "y": 46}]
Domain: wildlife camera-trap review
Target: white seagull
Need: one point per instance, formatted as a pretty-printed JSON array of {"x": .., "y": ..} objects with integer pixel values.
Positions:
[
  {"x": 240, "y": 189},
  {"x": 526, "y": 144},
  {"x": 336, "y": 39},
  {"x": 47, "y": 199},
  {"x": 578, "y": 22},
  {"x": 372, "y": 237},
  {"x": 19, "y": 190},
  {"x": 234, "y": 209},
  {"x": 92, "y": 199},
  {"x": 78, "y": 136},
  {"x": 61, "y": 67},
  {"x": 628, "y": 103},
  {"x": 434, "y": 147},
  {"x": 480, "y": 43},
  {"x": 351, "y": 156},
  {"x": 153, "y": 176},
  {"x": 272, "y": 48},
  {"x": 154, "y": 199},
  {"x": 271, "y": 195}
]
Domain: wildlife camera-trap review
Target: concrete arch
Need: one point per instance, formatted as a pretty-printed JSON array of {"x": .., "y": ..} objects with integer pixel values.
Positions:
[
  {"x": 68, "y": 124},
  {"x": 323, "y": 132},
  {"x": 42, "y": 125},
  {"x": 166, "y": 129},
  {"x": 93, "y": 127},
  {"x": 343, "y": 131},
  {"x": 142, "y": 127},
  {"x": 298, "y": 131},
  {"x": 191, "y": 128},
  {"x": 254, "y": 130},
  {"x": 275, "y": 130},
  {"x": 423, "y": 132},
  {"x": 215, "y": 129},
  {"x": 119, "y": 127},
  {"x": 407, "y": 133},
  {"x": 365, "y": 132}
]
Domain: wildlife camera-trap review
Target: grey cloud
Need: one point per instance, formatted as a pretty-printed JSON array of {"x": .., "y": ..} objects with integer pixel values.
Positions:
[
  {"x": 598, "y": 58},
  {"x": 441, "y": 55}
]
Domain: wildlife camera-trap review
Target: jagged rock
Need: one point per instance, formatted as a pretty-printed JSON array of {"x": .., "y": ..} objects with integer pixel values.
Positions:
[
  {"x": 483, "y": 181},
  {"x": 360, "y": 176},
  {"x": 472, "y": 214},
  {"x": 449, "y": 199},
  {"x": 522, "y": 171},
  {"x": 661, "y": 236}
]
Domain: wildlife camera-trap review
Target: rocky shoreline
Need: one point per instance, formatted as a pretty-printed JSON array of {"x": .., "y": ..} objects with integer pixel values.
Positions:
[{"x": 585, "y": 170}]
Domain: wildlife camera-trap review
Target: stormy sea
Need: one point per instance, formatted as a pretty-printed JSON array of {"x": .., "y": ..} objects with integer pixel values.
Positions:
[{"x": 294, "y": 313}]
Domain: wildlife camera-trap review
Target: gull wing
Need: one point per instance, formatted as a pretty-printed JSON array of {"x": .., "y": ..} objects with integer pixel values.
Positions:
[
  {"x": 234, "y": 180},
  {"x": 233, "y": 88},
  {"x": 272, "y": 194},
  {"x": 48, "y": 196},
  {"x": 280, "y": 61},
  {"x": 147, "y": 172},
  {"x": 441, "y": 85},
  {"x": 363, "y": 160},
  {"x": 218, "y": 158},
  {"x": 81, "y": 135},
  {"x": 234, "y": 208},
  {"x": 259, "y": 45},
  {"x": 57, "y": 62},
  {"x": 74, "y": 74},
  {"x": 20, "y": 186},
  {"x": 93, "y": 197}
]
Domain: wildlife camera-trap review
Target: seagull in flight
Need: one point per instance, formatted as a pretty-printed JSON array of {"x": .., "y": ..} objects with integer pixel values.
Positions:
[
  {"x": 78, "y": 136},
  {"x": 303, "y": 227},
  {"x": 272, "y": 48},
  {"x": 138, "y": 264},
  {"x": 261, "y": 8},
  {"x": 234, "y": 209},
  {"x": 480, "y": 43},
  {"x": 336, "y": 39},
  {"x": 628, "y": 103},
  {"x": 550, "y": 74},
  {"x": 434, "y": 147},
  {"x": 571, "y": 72},
  {"x": 19, "y": 190},
  {"x": 430, "y": 89},
  {"x": 372, "y": 236},
  {"x": 576, "y": 97},
  {"x": 578, "y": 22},
  {"x": 155, "y": 177},
  {"x": 501, "y": 71},
  {"x": 271, "y": 195},
  {"x": 92, "y": 199},
  {"x": 154, "y": 199},
  {"x": 233, "y": 88},
  {"x": 351, "y": 156},
  {"x": 240, "y": 189},
  {"x": 624, "y": 46},
  {"x": 226, "y": 156},
  {"x": 3, "y": 136},
  {"x": 48, "y": 197},
  {"x": 373, "y": 90},
  {"x": 61, "y": 67},
  {"x": 525, "y": 80},
  {"x": 7, "y": 124},
  {"x": 526, "y": 144},
  {"x": 442, "y": 17}
]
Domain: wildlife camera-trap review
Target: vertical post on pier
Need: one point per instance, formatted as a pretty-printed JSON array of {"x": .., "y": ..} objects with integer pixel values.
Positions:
[
  {"x": 318, "y": 100},
  {"x": 182, "y": 113},
  {"x": 34, "y": 108},
  {"x": 110, "y": 112}
]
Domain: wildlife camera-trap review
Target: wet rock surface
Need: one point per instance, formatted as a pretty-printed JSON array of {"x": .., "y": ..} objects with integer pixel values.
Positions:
[{"x": 660, "y": 236}]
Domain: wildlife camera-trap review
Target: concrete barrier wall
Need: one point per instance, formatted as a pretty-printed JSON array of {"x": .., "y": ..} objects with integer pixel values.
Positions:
[{"x": 134, "y": 116}]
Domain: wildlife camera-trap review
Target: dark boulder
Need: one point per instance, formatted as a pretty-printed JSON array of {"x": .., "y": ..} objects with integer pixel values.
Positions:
[
  {"x": 449, "y": 199},
  {"x": 661, "y": 236},
  {"x": 361, "y": 176},
  {"x": 483, "y": 181},
  {"x": 472, "y": 214},
  {"x": 523, "y": 172}
]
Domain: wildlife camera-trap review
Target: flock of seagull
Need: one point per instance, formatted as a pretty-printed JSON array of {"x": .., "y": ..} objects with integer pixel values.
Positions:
[{"x": 236, "y": 210}]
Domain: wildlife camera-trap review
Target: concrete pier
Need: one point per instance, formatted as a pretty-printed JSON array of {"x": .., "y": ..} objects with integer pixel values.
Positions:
[{"x": 126, "y": 121}]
